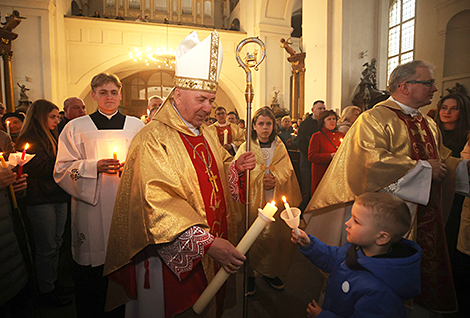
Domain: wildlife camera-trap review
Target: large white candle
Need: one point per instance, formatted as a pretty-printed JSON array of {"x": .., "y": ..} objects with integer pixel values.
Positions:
[
  {"x": 8, "y": 127},
  {"x": 289, "y": 212},
  {"x": 265, "y": 216},
  {"x": 225, "y": 136}
]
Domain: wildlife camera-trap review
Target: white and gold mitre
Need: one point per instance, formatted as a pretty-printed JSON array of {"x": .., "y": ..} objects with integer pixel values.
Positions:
[{"x": 198, "y": 63}]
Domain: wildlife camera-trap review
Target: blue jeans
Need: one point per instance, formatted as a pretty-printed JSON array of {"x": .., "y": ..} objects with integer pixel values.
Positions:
[
  {"x": 306, "y": 180},
  {"x": 48, "y": 222}
]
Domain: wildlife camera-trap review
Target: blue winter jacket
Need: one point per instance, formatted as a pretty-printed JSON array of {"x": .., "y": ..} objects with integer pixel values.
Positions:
[{"x": 378, "y": 292}]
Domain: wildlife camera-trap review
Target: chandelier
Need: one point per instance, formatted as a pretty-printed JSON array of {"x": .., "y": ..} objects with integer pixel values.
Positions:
[{"x": 158, "y": 56}]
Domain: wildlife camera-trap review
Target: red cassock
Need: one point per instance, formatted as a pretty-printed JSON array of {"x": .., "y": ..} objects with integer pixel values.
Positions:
[{"x": 319, "y": 152}]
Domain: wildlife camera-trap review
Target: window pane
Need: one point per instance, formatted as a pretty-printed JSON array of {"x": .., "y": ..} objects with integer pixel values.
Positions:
[
  {"x": 406, "y": 57},
  {"x": 393, "y": 41},
  {"x": 408, "y": 9},
  {"x": 407, "y": 36},
  {"x": 121, "y": 3},
  {"x": 207, "y": 9},
  {"x": 175, "y": 7},
  {"x": 134, "y": 4},
  {"x": 147, "y": 4},
  {"x": 110, "y": 3},
  {"x": 187, "y": 7},
  {"x": 198, "y": 10},
  {"x": 394, "y": 14},
  {"x": 161, "y": 5},
  {"x": 392, "y": 63}
]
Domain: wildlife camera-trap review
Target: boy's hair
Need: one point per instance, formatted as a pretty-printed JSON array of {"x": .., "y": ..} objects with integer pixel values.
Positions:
[
  {"x": 103, "y": 79},
  {"x": 390, "y": 213}
]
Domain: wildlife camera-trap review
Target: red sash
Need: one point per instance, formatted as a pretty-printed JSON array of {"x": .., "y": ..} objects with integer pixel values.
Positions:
[{"x": 437, "y": 286}]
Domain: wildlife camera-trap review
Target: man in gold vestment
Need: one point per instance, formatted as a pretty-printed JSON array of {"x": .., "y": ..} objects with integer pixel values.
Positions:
[
  {"x": 174, "y": 224},
  {"x": 395, "y": 148}
]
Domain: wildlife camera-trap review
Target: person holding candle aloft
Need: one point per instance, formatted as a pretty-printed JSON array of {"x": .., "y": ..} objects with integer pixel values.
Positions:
[
  {"x": 86, "y": 169},
  {"x": 372, "y": 274},
  {"x": 272, "y": 178},
  {"x": 323, "y": 146},
  {"x": 230, "y": 135},
  {"x": 46, "y": 202},
  {"x": 15, "y": 123},
  {"x": 174, "y": 222}
]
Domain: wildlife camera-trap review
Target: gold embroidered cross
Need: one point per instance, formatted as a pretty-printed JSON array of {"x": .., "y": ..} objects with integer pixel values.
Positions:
[{"x": 212, "y": 179}]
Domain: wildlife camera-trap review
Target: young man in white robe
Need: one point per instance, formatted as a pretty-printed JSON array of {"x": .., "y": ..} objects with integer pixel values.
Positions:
[{"x": 90, "y": 155}]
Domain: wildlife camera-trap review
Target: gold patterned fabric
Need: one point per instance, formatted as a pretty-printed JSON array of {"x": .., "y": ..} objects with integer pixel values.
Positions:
[
  {"x": 159, "y": 196},
  {"x": 238, "y": 134},
  {"x": 375, "y": 153},
  {"x": 272, "y": 252}
]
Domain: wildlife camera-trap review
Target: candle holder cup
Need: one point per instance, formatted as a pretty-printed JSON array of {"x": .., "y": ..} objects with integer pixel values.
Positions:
[{"x": 292, "y": 223}]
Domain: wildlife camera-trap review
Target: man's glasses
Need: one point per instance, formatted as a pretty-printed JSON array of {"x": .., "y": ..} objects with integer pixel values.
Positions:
[{"x": 428, "y": 83}]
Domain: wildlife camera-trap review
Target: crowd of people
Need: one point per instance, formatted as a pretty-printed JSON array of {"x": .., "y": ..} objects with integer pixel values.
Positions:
[{"x": 156, "y": 205}]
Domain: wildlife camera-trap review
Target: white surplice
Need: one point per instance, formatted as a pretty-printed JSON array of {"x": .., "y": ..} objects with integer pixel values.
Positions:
[{"x": 81, "y": 146}]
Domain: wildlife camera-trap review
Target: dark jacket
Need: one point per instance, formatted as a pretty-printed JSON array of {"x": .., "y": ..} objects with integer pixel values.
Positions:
[
  {"x": 42, "y": 188},
  {"x": 378, "y": 291},
  {"x": 13, "y": 273},
  {"x": 306, "y": 129}
]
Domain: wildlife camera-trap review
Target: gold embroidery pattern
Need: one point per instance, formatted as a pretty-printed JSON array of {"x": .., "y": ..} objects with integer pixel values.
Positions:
[
  {"x": 196, "y": 84},
  {"x": 214, "y": 58}
]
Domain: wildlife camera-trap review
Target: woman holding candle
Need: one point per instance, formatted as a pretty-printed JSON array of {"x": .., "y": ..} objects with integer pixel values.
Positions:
[
  {"x": 272, "y": 178},
  {"x": 15, "y": 123},
  {"x": 46, "y": 202},
  {"x": 323, "y": 146}
]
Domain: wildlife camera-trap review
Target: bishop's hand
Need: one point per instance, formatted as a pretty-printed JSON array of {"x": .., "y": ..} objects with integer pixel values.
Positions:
[
  {"x": 246, "y": 161},
  {"x": 226, "y": 255}
]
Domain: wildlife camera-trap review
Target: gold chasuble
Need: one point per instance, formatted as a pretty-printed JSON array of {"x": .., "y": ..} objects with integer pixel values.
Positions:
[
  {"x": 382, "y": 146},
  {"x": 272, "y": 252},
  {"x": 172, "y": 181}
]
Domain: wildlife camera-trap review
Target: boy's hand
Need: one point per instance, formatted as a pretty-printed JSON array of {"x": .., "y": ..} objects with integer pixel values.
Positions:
[
  {"x": 303, "y": 239},
  {"x": 313, "y": 309}
]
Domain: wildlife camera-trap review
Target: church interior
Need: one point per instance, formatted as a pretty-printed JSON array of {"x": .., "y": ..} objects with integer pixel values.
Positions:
[{"x": 327, "y": 50}]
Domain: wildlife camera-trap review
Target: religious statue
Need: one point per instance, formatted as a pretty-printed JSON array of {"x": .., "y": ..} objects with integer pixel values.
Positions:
[
  {"x": 275, "y": 101},
  {"x": 286, "y": 45},
  {"x": 367, "y": 93},
  {"x": 250, "y": 59},
  {"x": 12, "y": 21},
  {"x": 458, "y": 88},
  {"x": 23, "y": 96}
]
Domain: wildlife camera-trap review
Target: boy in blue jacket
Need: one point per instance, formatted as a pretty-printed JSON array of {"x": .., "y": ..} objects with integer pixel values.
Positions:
[{"x": 372, "y": 274}]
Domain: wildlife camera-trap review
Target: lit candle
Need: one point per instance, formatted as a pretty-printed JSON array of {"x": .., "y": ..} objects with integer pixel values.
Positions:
[
  {"x": 225, "y": 136},
  {"x": 8, "y": 127},
  {"x": 265, "y": 216},
  {"x": 341, "y": 140},
  {"x": 13, "y": 197},
  {"x": 289, "y": 212},
  {"x": 23, "y": 155},
  {"x": 115, "y": 154}
]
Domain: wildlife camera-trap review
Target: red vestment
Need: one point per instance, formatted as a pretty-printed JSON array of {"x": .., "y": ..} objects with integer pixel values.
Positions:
[
  {"x": 180, "y": 295},
  {"x": 437, "y": 287}
]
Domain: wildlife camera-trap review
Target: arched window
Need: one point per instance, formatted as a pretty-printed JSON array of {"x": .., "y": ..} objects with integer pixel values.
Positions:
[
  {"x": 138, "y": 89},
  {"x": 161, "y": 5},
  {"x": 208, "y": 9},
  {"x": 401, "y": 32},
  {"x": 187, "y": 7}
]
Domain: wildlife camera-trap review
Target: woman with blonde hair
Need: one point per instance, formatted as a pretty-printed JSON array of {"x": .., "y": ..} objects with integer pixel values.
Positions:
[
  {"x": 46, "y": 202},
  {"x": 348, "y": 117}
]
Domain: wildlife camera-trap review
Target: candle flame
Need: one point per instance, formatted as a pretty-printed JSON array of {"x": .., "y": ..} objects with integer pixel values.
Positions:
[
  {"x": 8, "y": 122},
  {"x": 26, "y": 146},
  {"x": 115, "y": 149},
  {"x": 272, "y": 203},
  {"x": 341, "y": 140},
  {"x": 1, "y": 154},
  {"x": 284, "y": 199}
]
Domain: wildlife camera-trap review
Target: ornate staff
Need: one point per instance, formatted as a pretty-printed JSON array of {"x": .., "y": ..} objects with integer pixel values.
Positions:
[
  {"x": 247, "y": 63},
  {"x": 265, "y": 215}
]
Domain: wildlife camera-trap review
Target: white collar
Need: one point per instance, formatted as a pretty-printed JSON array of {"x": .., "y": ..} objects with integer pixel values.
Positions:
[
  {"x": 223, "y": 125},
  {"x": 189, "y": 125},
  {"x": 109, "y": 116},
  {"x": 408, "y": 110}
]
